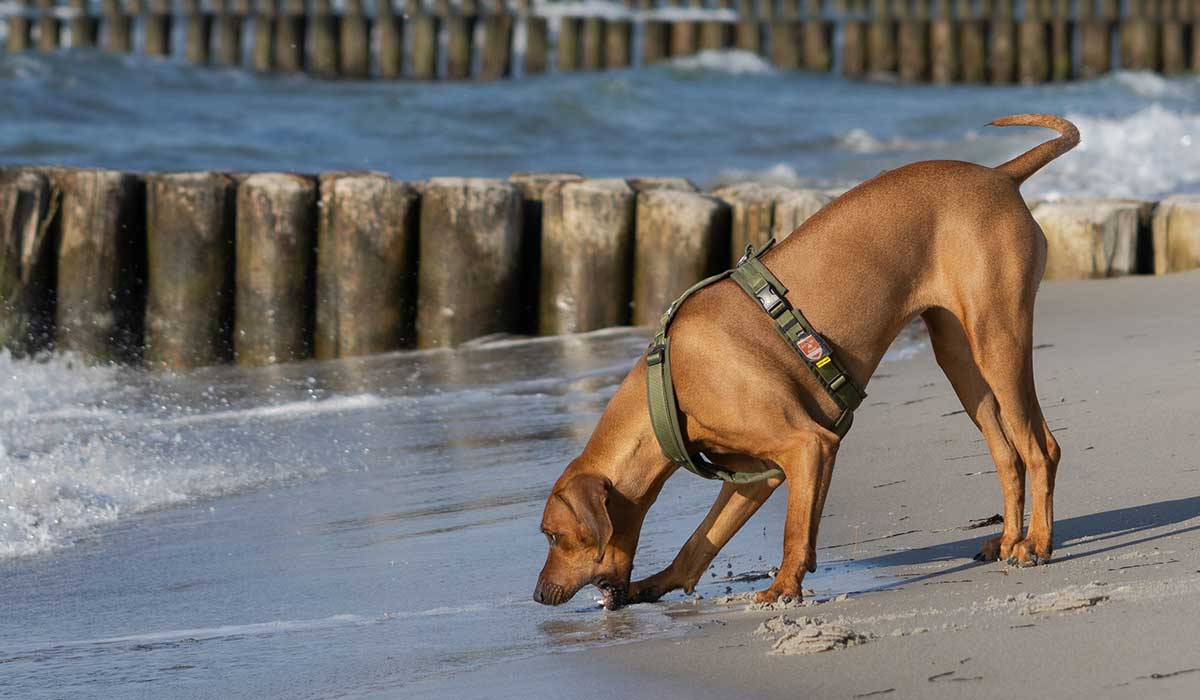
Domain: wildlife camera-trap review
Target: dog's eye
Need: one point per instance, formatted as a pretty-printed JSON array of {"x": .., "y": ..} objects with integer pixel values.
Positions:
[{"x": 551, "y": 538}]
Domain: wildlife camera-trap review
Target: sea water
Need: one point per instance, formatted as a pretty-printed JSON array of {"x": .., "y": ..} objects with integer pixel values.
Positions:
[
  {"x": 713, "y": 117},
  {"x": 335, "y": 529}
]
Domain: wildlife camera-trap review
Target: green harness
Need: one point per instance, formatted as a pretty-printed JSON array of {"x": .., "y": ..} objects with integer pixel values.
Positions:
[{"x": 770, "y": 294}]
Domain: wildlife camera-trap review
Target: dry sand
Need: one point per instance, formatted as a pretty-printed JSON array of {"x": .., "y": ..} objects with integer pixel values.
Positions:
[{"x": 1116, "y": 614}]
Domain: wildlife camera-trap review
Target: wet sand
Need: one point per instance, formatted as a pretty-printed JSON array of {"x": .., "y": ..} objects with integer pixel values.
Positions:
[{"x": 1114, "y": 615}]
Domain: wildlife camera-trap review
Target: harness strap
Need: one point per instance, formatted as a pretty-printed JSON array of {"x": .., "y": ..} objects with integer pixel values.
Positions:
[{"x": 758, "y": 282}]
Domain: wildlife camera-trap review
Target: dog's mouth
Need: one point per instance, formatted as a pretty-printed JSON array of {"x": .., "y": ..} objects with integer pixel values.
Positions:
[{"x": 613, "y": 596}]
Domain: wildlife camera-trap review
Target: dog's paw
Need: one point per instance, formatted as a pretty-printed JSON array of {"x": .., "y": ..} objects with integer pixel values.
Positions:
[
  {"x": 779, "y": 593},
  {"x": 1027, "y": 553},
  {"x": 996, "y": 549}
]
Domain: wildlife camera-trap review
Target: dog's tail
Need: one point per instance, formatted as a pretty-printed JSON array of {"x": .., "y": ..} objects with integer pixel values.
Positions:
[{"x": 1036, "y": 158}]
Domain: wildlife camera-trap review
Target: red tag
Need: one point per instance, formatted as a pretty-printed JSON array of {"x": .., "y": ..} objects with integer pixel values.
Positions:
[{"x": 811, "y": 347}]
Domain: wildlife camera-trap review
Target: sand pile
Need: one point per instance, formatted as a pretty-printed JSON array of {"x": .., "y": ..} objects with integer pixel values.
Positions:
[{"x": 808, "y": 635}]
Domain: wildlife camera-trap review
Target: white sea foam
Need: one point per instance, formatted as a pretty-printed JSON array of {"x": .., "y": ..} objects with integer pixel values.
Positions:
[
  {"x": 732, "y": 62},
  {"x": 47, "y": 499},
  {"x": 1149, "y": 153},
  {"x": 58, "y": 479}
]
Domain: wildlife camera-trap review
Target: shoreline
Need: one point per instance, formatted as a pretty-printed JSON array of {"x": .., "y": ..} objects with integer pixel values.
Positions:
[{"x": 1118, "y": 367}]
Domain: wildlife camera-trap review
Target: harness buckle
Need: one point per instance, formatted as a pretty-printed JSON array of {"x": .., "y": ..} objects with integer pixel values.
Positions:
[
  {"x": 771, "y": 302},
  {"x": 655, "y": 354}
]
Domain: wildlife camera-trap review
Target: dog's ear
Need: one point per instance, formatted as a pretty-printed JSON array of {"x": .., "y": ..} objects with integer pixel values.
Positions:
[{"x": 587, "y": 495}]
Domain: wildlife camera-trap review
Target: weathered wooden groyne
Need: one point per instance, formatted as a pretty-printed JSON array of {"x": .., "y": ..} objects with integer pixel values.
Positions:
[
  {"x": 941, "y": 41},
  {"x": 180, "y": 270}
]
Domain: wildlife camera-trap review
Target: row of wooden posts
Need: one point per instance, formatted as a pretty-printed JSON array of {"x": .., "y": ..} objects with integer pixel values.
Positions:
[
  {"x": 189, "y": 269},
  {"x": 917, "y": 42}
]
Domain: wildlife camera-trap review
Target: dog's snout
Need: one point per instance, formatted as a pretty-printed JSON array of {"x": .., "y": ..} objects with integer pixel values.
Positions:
[{"x": 549, "y": 593}]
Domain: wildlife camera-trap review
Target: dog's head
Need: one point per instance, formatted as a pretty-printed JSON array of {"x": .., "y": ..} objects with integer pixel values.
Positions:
[{"x": 583, "y": 546}]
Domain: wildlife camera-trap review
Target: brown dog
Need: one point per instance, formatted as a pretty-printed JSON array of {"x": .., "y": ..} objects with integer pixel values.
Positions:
[{"x": 949, "y": 241}]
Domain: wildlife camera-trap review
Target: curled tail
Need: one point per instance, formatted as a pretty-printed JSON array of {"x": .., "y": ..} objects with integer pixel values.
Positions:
[{"x": 1036, "y": 158}]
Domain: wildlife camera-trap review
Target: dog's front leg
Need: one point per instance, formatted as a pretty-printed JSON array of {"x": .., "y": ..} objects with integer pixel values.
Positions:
[
  {"x": 808, "y": 465},
  {"x": 734, "y": 506}
]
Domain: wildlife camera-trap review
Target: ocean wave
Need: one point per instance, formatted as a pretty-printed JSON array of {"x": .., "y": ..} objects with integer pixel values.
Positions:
[
  {"x": 1152, "y": 152},
  {"x": 729, "y": 62},
  {"x": 48, "y": 499}
]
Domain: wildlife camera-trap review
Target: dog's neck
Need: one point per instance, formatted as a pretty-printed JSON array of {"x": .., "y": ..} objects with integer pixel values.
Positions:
[{"x": 623, "y": 448}]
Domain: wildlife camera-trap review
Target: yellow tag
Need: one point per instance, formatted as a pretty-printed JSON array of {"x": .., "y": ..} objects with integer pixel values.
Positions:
[{"x": 823, "y": 361}]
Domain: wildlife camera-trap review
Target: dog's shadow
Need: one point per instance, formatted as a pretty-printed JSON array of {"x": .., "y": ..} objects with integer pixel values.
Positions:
[{"x": 1075, "y": 538}]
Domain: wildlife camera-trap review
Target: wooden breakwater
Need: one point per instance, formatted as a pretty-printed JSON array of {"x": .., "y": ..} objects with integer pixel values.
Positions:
[
  {"x": 188, "y": 269},
  {"x": 941, "y": 41}
]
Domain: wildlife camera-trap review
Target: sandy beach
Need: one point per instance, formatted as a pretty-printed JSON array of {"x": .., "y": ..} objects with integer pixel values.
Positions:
[{"x": 1114, "y": 615}]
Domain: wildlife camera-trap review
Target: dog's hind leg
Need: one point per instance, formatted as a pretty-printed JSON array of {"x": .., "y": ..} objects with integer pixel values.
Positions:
[
  {"x": 733, "y": 507},
  {"x": 1002, "y": 342},
  {"x": 808, "y": 464},
  {"x": 952, "y": 350}
]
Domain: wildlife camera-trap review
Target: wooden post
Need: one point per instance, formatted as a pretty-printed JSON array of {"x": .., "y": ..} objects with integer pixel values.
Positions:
[
  {"x": 854, "y": 57},
  {"x": 972, "y": 49},
  {"x": 28, "y": 239},
  {"x": 617, "y": 41},
  {"x": 587, "y": 245},
  {"x": 1174, "y": 49},
  {"x": 20, "y": 30},
  {"x": 534, "y": 188},
  {"x": 1095, "y": 48},
  {"x": 471, "y": 228},
  {"x": 156, "y": 28},
  {"x": 913, "y": 50},
  {"x": 354, "y": 56},
  {"x": 118, "y": 28},
  {"x": 1033, "y": 63},
  {"x": 657, "y": 182},
  {"x": 943, "y": 49},
  {"x": 290, "y": 30},
  {"x": 881, "y": 46},
  {"x": 685, "y": 38},
  {"x": 424, "y": 46},
  {"x": 655, "y": 40},
  {"x": 391, "y": 41},
  {"x": 817, "y": 45},
  {"x": 276, "y": 236},
  {"x": 1139, "y": 44},
  {"x": 1062, "y": 44},
  {"x": 262, "y": 48},
  {"x": 537, "y": 43},
  {"x": 229, "y": 34},
  {"x": 323, "y": 27},
  {"x": 1002, "y": 60},
  {"x": 753, "y": 211},
  {"x": 681, "y": 238},
  {"x": 197, "y": 33},
  {"x": 715, "y": 35},
  {"x": 1176, "y": 234},
  {"x": 460, "y": 32},
  {"x": 793, "y": 208},
  {"x": 49, "y": 27},
  {"x": 366, "y": 265},
  {"x": 785, "y": 44},
  {"x": 568, "y": 44},
  {"x": 101, "y": 265},
  {"x": 85, "y": 29},
  {"x": 591, "y": 44},
  {"x": 748, "y": 34},
  {"x": 497, "y": 47},
  {"x": 189, "y": 292}
]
